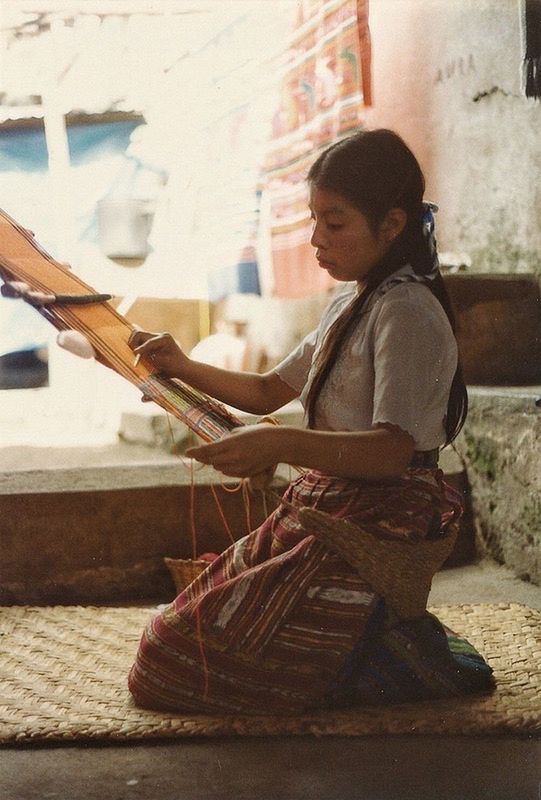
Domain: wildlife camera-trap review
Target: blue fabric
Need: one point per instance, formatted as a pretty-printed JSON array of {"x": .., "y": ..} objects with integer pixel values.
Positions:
[
  {"x": 402, "y": 661},
  {"x": 241, "y": 278},
  {"x": 25, "y": 149},
  {"x": 429, "y": 224}
]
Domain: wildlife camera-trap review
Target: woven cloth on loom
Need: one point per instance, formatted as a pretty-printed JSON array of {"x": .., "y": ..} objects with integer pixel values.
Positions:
[
  {"x": 63, "y": 675},
  {"x": 22, "y": 259}
]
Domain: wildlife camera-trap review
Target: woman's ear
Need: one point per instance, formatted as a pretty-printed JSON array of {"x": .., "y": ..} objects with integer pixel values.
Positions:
[{"x": 393, "y": 224}]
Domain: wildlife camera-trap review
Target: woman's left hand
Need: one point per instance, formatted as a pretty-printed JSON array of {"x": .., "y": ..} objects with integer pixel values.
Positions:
[
  {"x": 242, "y": 453},
  {"x": 19, "y": 289}
]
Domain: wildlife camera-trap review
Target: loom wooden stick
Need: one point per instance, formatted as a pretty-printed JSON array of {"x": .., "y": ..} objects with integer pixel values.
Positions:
[{"x": 23, "y": 259}]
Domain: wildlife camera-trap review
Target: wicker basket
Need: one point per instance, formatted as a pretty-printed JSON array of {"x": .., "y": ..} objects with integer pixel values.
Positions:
[
  {"x": 401, "y": 572},
  {"x": 184, "y": 570}
]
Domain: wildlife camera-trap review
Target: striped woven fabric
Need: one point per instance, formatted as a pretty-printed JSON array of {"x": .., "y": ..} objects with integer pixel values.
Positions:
[
  {"x": 201, "y": 413},
  {"x": 324, "y": 92},
  {"x": 270, "y": 625}
]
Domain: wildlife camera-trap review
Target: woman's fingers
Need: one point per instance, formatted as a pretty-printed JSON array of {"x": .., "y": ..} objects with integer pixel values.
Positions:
[
  {"x": 207, "y": 454},
  {"x": 145, "y": 343},
  {"x": 162, "y": 351},
  {"x": 232, "y": 455},
  {"x": 137, "y": 338},
  {"x": 13, "y": 288},
  {"x": 151, "y": 346},
  {"x": 226, "y": 444},
  {"x": 19, "y": 289}
]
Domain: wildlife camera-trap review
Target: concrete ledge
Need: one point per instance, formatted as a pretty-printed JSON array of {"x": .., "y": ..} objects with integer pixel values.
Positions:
[
  {"x": 91, "y": 469},
  {"x": 501, "y": 450},
  {"x": 508, "y": 398},
  {"x": 108, "y": 546},
  {"x": 86, "y": 525},
  {"x": 148, "y": 454}
]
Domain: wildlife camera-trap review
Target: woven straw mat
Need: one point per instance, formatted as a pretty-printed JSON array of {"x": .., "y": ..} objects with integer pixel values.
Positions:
[{"x": 63, "y": 678}]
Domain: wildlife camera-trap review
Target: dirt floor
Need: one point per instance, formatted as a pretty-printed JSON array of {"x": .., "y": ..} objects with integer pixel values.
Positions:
[
  {"x": 334, "y": 768},
  {"x": 298, "y": 768}
]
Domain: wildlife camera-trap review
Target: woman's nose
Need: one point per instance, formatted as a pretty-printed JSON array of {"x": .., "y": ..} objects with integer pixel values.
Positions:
[{"x": 317, "y": 238}]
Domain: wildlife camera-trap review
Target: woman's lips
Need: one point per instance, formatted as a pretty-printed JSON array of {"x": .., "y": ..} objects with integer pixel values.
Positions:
[{"x": 325, "y": 264}]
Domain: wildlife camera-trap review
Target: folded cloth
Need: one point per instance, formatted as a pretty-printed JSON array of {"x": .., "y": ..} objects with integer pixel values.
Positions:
[{"x": 398, "y": 661}]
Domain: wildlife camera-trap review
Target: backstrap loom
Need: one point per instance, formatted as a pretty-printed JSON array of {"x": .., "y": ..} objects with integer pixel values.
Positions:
[{"x": 23, "y": 259}]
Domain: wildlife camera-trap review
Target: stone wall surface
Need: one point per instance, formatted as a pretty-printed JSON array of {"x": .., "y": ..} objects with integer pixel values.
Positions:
[
  {"x": 447, "y": 77},
  {"x": 501, "y": 449}
]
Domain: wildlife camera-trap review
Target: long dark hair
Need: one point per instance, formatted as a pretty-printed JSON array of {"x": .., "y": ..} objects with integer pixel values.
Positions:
[{"x": 376, "y": 171}]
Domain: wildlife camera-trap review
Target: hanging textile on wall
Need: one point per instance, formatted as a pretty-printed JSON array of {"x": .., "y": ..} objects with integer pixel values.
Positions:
[
  {"x": 532, "y": 42},
  {"x": 325, "y": 88}
]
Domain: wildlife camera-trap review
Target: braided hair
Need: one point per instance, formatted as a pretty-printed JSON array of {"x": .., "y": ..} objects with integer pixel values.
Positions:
[{"x": 375, "y": 171}]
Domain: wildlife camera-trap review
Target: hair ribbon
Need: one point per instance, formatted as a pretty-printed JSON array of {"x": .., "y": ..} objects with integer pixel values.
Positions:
[{"x": 428, "y": 223}]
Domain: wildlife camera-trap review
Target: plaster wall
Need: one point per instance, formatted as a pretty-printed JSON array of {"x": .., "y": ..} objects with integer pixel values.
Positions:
[{"x": 447, "y": 77}]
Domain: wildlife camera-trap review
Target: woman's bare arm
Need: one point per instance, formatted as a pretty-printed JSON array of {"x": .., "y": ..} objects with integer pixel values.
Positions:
[
  {"x": 249, "y": 391},
  {"x": 381, "y": 453}
]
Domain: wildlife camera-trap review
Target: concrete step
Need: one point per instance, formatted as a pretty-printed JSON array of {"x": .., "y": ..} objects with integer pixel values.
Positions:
[{"x": 93, "y": 525}]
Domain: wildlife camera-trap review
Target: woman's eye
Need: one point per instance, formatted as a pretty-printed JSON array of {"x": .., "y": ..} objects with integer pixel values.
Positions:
[{"x": 331, "y": 226}]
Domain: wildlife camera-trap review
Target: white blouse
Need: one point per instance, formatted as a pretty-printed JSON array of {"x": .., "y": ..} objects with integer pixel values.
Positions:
[{"x": 397, "y": 366}]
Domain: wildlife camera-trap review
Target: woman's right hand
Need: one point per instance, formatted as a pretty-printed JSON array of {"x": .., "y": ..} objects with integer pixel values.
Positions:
[{"x": 161, "y": 351}]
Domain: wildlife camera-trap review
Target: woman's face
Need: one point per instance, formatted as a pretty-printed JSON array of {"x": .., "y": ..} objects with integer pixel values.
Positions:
[{"x": 345, "y": 244}]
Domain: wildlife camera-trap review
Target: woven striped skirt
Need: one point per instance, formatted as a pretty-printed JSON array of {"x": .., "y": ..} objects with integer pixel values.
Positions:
[{"x": 279, "y": 624}]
